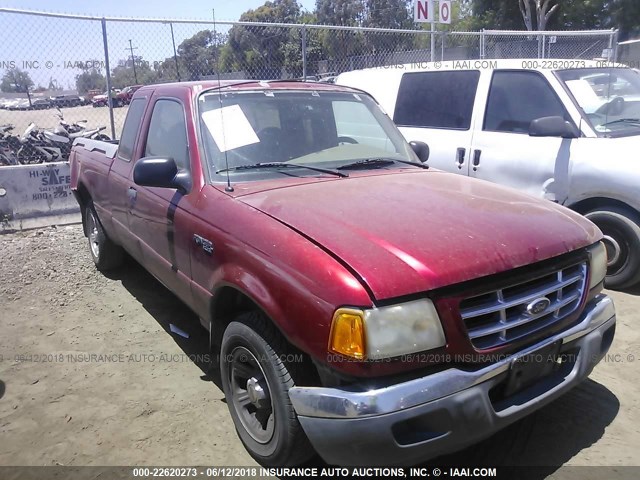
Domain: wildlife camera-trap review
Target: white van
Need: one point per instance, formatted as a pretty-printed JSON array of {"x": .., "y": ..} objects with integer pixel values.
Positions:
[{"x": 564, "y": 130}]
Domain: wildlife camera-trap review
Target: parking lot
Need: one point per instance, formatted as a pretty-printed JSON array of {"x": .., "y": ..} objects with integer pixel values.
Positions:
[
  {"x": 90, "y": 374},
  {"x": 95, "y": 117}
]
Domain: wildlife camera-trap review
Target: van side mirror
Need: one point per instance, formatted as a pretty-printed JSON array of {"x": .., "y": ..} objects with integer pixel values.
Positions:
[
  {"x": 553, "y": 127},
  {"x": 421, "y": 149},
  {"x": 160, "y": 172}
]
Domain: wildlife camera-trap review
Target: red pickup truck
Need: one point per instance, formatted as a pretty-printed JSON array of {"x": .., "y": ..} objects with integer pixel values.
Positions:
[{"x": 361, "y": 304}]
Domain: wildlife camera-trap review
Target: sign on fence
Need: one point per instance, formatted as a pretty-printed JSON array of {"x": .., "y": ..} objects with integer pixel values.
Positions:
[
  {"x": 444, "y": 15},
  {"x": 423, "y": 11},
  {"x": 34, "y": 196}
]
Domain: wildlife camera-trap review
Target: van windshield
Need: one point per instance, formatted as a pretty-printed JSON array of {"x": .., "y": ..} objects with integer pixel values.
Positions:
[
  {"x": 302, "y": 127},
  {"x": 609, "y": 98}
]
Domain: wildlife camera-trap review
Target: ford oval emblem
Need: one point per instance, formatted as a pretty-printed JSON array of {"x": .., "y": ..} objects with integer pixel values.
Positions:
[{"x": 539, "y": 305}]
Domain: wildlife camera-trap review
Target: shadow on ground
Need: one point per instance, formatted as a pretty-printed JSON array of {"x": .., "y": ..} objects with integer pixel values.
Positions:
[
  {"x": 2, "y": 389},
  {"x": 167, "y": 309},
  {"x": 546, "y": 439},
  {"x": 635, "y": 290}
]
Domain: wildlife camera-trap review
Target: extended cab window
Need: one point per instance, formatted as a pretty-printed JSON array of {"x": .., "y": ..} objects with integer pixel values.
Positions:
[
  {"x": 436, "y": 99},
  {"x": 518, "y": 98},
  {"x": 167, "y": 135},
  {"x": 130, "y": 129}
]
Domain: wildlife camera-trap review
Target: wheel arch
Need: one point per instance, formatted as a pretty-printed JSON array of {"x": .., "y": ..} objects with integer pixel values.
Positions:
[
  {"x": 230, "y": 300},
  {"x": 620, "y": 224},
  {"x": 588, "y": 204},
  {"x": 84, "y": 198}
]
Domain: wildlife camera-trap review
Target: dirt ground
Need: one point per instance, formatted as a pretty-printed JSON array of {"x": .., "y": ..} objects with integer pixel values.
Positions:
[{"x": 90, "y": 374}]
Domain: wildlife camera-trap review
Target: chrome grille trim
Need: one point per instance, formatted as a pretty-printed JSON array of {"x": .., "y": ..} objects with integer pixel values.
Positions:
[{"x": 499, "y": 317}]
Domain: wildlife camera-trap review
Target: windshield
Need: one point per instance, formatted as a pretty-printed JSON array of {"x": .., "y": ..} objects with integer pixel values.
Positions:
[
  {"x": 609, "y": 97},
  {"x": 313, "y": 128}
]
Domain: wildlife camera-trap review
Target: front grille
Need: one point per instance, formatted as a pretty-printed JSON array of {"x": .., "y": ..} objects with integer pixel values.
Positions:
[{"x": 499, "y": 317}]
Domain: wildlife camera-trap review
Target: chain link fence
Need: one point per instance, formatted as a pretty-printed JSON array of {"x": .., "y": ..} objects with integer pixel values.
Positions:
[
  {"x": 575, "y": 45},
  {"x": 89, "y": 66}
]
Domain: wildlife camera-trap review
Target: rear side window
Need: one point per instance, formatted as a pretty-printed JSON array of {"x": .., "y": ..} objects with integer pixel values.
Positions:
[
  {"x": 130, "y": 129},
  {"x": 167, "y": 135},
  {"x": 518, "y": 98},
  {"x": 436, "y": 99}
]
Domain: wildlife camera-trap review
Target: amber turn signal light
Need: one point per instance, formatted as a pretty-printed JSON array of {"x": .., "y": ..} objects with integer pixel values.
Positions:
[{"x": 347, "y": 333}]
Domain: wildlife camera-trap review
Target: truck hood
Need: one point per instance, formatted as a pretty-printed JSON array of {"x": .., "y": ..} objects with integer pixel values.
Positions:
[{"x": 416, "y": 231}]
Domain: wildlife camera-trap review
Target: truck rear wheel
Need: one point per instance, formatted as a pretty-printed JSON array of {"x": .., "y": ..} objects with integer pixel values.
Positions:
[
  {"x": 621, "y": 230},
  {"x": 105, "y": 254},
  {"x": 256, "y": 377}
]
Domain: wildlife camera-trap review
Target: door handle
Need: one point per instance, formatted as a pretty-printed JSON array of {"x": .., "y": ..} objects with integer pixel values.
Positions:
[
  {"x": 460, "y": 153},
  {"x": 476, "y": 159},
  {"x": 132, "y": 193}
]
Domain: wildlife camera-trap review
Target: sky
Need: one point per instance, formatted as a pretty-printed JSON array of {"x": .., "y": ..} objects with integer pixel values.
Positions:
[
  {"x": 48, "y": 48},
  {"x": 225, "y": 9}
]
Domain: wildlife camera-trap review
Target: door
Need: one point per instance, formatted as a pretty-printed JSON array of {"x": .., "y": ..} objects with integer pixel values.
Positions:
[
  {"x": 502, "y": 150},
  {"x": 120, "y": 182},
  {"x": 436, "y": 108},
  {"x": 156, "y": 218}
]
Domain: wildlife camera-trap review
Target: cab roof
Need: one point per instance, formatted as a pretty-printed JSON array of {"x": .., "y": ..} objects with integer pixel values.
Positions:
[{"x": 202, "y": 85}]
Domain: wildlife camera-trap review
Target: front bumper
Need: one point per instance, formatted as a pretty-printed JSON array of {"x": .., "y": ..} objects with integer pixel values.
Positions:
[{"x": 420, "y": 419}]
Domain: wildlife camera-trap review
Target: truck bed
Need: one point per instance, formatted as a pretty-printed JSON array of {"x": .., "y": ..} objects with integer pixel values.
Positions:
[{"x": 108, "y": 149}]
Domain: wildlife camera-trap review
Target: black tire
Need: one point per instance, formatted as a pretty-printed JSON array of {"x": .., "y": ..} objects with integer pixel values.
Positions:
[
  {"x": 105, "y": 254},
  {"x": 275, "y": 438},
  {"x": 621, "y": 228}
]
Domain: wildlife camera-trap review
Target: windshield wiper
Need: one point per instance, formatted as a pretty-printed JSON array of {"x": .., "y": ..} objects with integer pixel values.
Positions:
[
  {"x": 256, "y": 166},
  {"x": 379, "y": 162},
  {"x": 631, "y": 121}
]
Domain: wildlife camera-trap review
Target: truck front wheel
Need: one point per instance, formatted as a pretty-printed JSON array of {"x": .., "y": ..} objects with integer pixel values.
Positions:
[
  {"x": 105, "y": 254},
  {"x": 621, "y": 230},
  {"x": 257, "y": 372}
]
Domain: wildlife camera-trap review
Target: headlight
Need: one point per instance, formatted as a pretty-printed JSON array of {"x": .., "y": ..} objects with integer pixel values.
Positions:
[
  {"x": 597, "y": 264},
  {"x": 386, "y": 332}
]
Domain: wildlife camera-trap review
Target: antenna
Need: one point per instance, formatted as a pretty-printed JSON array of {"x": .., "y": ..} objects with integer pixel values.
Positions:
[{"x": 228, "y": 188}]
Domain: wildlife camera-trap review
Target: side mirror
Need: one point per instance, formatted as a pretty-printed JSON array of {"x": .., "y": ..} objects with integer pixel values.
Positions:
[
  {"x": 421, "y": 149},
  {"x": 552, "y": 127},
  {"x": 160, "y": 172}
]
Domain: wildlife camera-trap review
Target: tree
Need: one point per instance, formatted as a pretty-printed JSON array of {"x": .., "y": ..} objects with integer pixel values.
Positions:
[
  {"x": 494, "y": 14},
  {"x": 167, "y": 71},
  {"x": 123, "y": 75},
  {"x": 53, "y": 85},
  {"x": 340, "y": 12},
  {"x": 198, "y": 54},
  {"x": 260, "y": 51},
  {"x": 292, "y": 50},
  {"x": 396, "y": 14},
  {"x": 626, "y": 17},
  {"x": 16, "y": 80},
  {"x": 623, "y": 15},
  {"x": 543, "y": 10},
  {"x": 90, "y": 80},
  {"x": 388, "y": 13}
]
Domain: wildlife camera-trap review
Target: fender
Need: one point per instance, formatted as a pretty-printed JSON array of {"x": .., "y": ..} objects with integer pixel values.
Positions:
[{"x": 284, "y": 310}]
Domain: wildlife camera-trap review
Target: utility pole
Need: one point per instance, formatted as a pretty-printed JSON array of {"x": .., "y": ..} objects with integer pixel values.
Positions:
[
  {"x": 133, "y": 60},
  {"x": 175, "y": 55}
]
